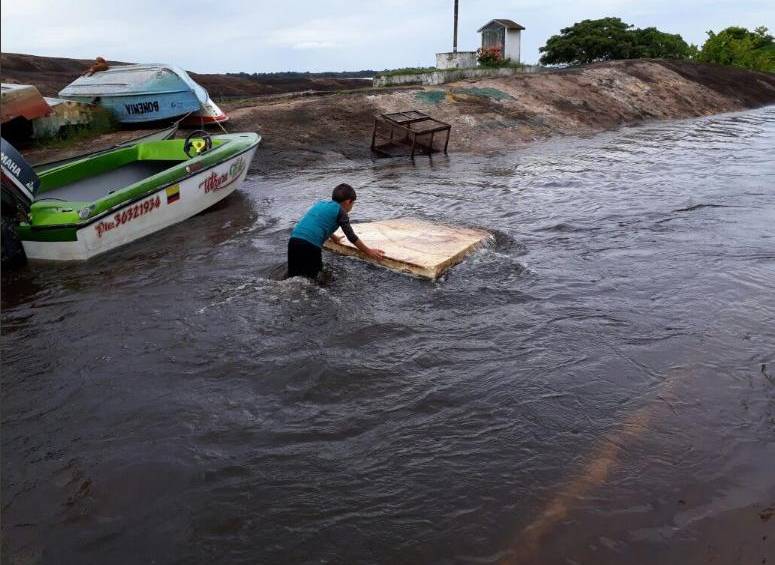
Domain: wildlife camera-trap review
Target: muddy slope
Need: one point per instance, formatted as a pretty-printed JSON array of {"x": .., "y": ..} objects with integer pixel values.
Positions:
[{"x": 497, "y": 114}]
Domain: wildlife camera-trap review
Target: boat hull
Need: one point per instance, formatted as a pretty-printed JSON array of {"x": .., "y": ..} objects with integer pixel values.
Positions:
[
  {"x": 22, "y": 101},
  {"x": 148, "y": 107},
  {"x": 153, "y": 212},
  {"x": 139, "y": 93},
  {"x": 209, "y": 114}
]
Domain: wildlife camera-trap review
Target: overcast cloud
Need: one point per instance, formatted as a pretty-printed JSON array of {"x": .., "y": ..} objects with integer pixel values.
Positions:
[{"x": 327, "y": 35}]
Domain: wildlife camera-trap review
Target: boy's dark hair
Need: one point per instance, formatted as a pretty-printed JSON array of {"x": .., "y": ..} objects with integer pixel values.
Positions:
[{"x": 343, "y": 192}]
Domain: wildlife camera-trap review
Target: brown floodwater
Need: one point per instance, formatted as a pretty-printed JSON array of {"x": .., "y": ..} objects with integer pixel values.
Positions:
[{"x": 598, "y": 386}]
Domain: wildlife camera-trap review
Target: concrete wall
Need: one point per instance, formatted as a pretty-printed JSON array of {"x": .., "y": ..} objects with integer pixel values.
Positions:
[
  {"x": 513, "y": 38},
  {"x": 458, "y": 60},
  {"x": 451, "y": 75}
]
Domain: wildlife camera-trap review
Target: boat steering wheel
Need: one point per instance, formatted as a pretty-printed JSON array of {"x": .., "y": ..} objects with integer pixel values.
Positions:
[{"x": 200, "y": 141}]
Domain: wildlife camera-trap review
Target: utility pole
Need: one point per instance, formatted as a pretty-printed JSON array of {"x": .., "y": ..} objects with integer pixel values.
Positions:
[{"x": 454, "y": 37}]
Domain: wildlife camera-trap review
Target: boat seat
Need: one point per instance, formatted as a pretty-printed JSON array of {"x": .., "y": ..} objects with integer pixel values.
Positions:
[{"x": 94, "y": 188}]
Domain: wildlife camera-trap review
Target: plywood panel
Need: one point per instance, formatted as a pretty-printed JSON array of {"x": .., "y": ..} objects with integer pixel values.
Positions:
[{"x": 413, "y": 246}]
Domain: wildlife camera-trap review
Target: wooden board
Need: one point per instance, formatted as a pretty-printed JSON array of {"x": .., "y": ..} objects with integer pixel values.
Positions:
[{"x": 413, "y": 246}]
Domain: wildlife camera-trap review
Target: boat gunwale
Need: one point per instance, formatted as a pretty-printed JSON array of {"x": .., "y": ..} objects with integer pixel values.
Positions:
[{"x": 47, "y": 166}]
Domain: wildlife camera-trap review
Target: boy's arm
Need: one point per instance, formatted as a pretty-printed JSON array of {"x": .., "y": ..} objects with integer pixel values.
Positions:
[{"x": 344, "y": 222}]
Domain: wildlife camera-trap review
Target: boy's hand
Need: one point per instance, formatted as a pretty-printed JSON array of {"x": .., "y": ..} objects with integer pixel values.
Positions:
[
  {"x": 370, "y": 251},
  {"x": 376, "y": 253},
  {"x": 336, "y": 239}
]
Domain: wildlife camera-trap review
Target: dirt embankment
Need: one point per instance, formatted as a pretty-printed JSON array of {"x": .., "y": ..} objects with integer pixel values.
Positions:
[
  {"x": 493, "y": 115},
  {"x": 52, "y": 74},
  {"x": 488, "y": 115}
]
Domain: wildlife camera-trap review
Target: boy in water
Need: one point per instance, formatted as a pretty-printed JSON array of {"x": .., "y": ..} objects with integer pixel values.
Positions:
[{"x": 318, "y": 224}]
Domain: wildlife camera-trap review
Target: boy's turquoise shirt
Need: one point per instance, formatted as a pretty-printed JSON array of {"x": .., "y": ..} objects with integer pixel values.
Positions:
[{"x": 318, "y": 223}]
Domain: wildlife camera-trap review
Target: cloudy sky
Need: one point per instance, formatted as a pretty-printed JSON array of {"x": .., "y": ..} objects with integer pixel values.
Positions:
[{"x": 327, "y": 35}]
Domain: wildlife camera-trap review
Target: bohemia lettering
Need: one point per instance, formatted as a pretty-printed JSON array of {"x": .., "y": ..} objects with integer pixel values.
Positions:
[{"x": 142, "y": 107}]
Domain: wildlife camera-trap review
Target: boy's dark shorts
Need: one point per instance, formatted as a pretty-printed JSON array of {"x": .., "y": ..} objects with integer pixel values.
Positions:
[{"x": 304, "y": 258}]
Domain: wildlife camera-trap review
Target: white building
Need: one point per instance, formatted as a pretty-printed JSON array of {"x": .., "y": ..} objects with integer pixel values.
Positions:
[{"x": 505, "y": 35}]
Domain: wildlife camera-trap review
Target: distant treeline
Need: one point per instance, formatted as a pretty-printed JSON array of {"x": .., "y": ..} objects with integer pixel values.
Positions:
[
  {"x": 288, "y": 75},
  {"x": 608, "y": 39}
]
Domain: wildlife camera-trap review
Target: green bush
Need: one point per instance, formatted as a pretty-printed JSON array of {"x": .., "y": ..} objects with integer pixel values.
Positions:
[{"x": 736, "y": 46}]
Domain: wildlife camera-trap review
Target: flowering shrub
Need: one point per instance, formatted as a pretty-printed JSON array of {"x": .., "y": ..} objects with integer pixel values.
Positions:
[{"x": 489, "y": 56}]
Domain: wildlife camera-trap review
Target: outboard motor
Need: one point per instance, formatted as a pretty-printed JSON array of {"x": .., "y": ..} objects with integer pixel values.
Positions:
[
  {"x": 19, "y": 186},
  {"x": 18, "y": 178}
]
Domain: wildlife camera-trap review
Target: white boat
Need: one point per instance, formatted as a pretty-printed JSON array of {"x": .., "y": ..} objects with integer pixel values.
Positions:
[{"x": 93, "y": 205}]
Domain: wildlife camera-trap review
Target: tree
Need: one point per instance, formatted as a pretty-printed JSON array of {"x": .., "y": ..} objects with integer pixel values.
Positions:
[
  {"x": 650, "y": 42},
  {"x": 739, "y": 47},
  {"x": 611, "y": 38},
  {"x": 587, "y": 41}
]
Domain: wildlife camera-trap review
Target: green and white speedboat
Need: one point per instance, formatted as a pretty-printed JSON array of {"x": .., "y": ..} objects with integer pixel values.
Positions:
[{"x": 84, "y": 208}]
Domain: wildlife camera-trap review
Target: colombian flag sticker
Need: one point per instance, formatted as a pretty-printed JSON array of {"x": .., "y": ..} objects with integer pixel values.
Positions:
[{"x": 173, "y": 194}]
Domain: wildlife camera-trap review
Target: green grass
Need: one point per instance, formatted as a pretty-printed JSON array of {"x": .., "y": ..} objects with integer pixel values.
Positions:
[
  {"x": 509, "y": 65},
  {"x": 406, "y": 71}
]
